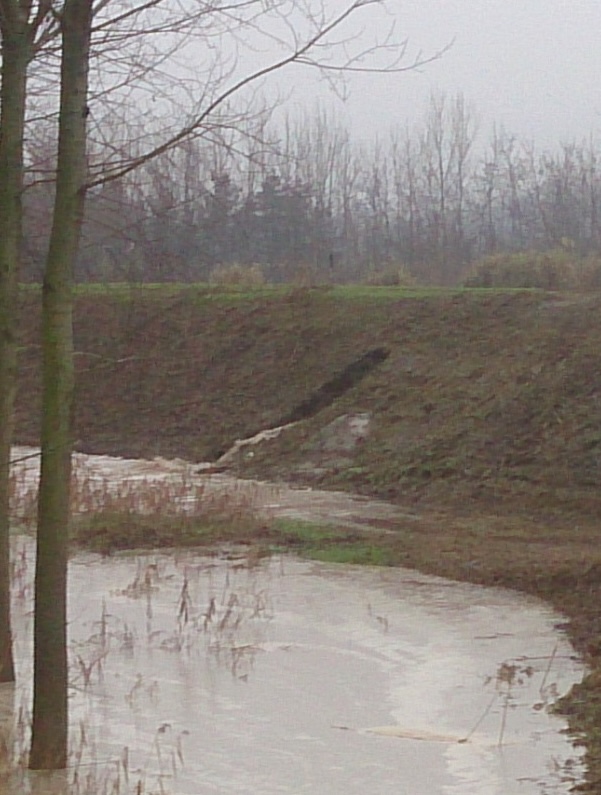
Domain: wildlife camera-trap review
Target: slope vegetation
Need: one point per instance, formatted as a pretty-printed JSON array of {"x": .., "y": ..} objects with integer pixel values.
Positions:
[
  {"x": 469, "y": 397},
  {"x": 481, "y": 411}
]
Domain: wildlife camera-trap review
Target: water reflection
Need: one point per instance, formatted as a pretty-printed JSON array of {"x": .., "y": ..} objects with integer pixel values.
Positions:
[{"x": 194, "y": 675}]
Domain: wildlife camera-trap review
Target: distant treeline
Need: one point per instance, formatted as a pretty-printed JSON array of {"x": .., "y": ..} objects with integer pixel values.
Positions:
[{"x": 305, "y": 198}]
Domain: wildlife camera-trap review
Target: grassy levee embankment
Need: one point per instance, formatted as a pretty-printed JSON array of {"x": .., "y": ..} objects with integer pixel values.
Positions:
[{"x": 484, "y": 411}]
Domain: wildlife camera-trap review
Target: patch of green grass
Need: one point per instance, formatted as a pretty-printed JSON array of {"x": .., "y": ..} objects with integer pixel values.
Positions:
[
  {"x": 112, "y": 531},
  {"x": 356, "y": 553},
  {"x": 354, "y": 292},
  {"x": 221, "y": 293},
  {"x": 227, "y": 293},
  {"x": 332, "y": 544},
  {"x": 364, "y": 291},
  {"x": 108, "y": 531},
  {"x": 199, "y": 291},
  {"x": 296, "y": 532}
]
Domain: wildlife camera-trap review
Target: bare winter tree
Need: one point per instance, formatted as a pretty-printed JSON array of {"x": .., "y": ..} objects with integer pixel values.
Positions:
[
  {"x": 50, "y": 709},
  {"x": 446, "y": 143},
  {"x": 144, "y": 85},
  {"x": 24, "y": 32}
]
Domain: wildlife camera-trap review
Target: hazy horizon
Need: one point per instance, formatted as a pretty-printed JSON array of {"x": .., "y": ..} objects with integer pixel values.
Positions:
[{"x": 531, "y": 69}]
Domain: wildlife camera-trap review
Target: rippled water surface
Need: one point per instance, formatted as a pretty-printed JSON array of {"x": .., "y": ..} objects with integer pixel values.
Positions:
[{"x": 194, "y": 675}]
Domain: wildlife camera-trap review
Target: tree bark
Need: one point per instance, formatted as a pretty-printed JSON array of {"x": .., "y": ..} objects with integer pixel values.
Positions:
[
  {"x": 50, "y": 710},
  {"x": 13, "y": 74}
]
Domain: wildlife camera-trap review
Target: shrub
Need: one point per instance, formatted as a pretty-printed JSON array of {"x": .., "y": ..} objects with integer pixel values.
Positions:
[
  {"x": 557, "y": 269},
  {"x": 237, "y": 275},
  {"x": 392, "y": 275},
  {"x": 307, "y": 276}
]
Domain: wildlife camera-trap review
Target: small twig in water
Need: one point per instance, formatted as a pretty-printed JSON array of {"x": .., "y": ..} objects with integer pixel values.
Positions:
[{"x": 547, "y": 671}]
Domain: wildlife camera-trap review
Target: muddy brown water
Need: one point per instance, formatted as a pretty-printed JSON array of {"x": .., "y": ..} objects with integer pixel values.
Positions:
[
  {"x": 276, "y": 500},
  {"x": 195, "y": 675}
]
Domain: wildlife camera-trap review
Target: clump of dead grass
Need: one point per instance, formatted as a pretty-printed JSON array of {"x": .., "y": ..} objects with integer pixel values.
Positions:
[
  {"x": 391, "y": 275},
  {"x": 238, "y": 275},
  {"x": 144, "y": 513},
  {"x": 556, "y": 269}
]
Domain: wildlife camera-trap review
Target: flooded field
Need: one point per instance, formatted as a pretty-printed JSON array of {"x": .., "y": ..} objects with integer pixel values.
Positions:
[
  {"x": 273, "y": 500},
  {"x": 193, "y": 675}
]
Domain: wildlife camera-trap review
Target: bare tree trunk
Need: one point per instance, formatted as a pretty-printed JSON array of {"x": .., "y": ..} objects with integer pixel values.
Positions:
[
  {"x": 50, "y": 714},
  {"x": 50, "y": 718},
  {"x": 13, "y": 71}
]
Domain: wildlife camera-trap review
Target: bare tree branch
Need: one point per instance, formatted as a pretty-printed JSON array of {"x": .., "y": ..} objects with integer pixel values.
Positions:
[{"x": 299, "y": 55}]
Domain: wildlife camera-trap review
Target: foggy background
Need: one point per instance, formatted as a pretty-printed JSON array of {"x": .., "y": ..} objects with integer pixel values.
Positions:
[
  {"x": 532, "y": 67},
  {"x": 490, "y": 150}
]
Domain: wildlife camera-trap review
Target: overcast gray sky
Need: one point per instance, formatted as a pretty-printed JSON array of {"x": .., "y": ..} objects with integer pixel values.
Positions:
[{"x": 532, "y": 66}]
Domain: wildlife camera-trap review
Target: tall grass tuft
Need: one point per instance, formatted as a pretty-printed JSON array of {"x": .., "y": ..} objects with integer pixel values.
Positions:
[{"x": 172, "y": 509}]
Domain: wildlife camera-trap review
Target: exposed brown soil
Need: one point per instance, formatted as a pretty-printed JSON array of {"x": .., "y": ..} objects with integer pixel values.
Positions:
[{"x": 485, "y": 420}]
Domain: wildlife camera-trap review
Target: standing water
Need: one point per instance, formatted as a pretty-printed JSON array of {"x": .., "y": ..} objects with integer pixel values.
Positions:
[{"x": 193, "y": 675}]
